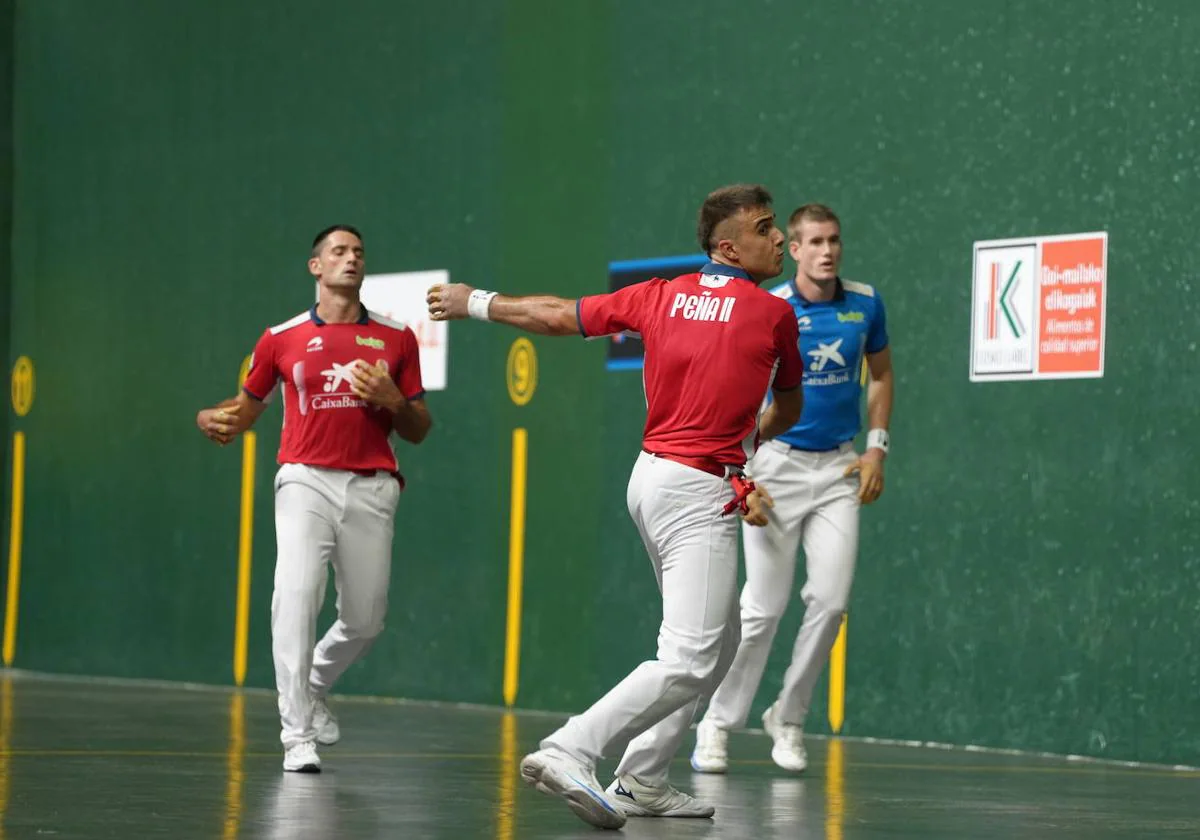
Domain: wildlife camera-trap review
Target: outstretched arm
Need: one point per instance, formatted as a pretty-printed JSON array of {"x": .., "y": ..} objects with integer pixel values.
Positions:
[{"x": 541, "y": 314}]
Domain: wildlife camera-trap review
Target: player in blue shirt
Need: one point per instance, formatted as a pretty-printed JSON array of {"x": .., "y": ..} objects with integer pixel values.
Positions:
[{"x": 818, "y": 482}]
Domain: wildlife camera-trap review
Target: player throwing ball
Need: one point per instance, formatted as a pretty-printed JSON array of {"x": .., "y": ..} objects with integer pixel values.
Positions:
[{"x": 715, "y": 344}]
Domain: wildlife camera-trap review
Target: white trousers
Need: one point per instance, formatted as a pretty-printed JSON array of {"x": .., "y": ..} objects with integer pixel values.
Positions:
[
  {"x": 693, "y": 550},
  {"x": 324, "y": 517},
  {"x": 815, "y": 505}
]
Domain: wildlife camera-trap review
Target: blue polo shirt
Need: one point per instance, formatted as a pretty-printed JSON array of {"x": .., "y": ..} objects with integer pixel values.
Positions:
[{"x": 835, "y": 336}]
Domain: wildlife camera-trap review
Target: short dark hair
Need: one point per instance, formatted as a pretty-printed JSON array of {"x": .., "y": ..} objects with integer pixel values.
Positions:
[
  {"x": 319, "y": 239},
  {"x": 725, "y": 202},
  {"x": 810, "y": 213}
]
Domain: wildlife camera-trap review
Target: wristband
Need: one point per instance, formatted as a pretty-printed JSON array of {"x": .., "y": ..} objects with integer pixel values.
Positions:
[
  {"x": 878, "y": 439},
  {"x": 478, "y": 303}
]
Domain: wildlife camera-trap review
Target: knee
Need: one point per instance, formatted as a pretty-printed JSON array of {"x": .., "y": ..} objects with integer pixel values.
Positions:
[
  {"x": 364, "y": 624},
  {"x": 824, "y": 616},
  {"x": 293, "y": 607},
  {"x": 760, "y": 621},
  {"x": 700, "y": 671},
  {"x": 698, "y": 679},
  {"x": 828, "y": 604},
  {"x": 365, "y": 630}
]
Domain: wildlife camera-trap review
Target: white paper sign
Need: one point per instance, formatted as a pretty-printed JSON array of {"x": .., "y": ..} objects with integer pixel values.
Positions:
[{"x": 401, "y": 297}]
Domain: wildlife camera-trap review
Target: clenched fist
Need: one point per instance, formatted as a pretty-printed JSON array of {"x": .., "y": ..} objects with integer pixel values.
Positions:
[
  {"x": 757, "y": 504},
  {"x": 448, "y": 302}
]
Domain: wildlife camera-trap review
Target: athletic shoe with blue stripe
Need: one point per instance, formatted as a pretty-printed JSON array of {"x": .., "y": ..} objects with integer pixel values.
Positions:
[{"x": 557, "y": 774}]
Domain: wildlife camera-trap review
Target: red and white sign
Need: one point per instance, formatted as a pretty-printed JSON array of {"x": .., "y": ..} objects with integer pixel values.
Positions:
[{"x": 1038, "y": 306}]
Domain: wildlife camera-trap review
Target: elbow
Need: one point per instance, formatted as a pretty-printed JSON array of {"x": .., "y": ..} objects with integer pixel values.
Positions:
[
  {"x": 556, "y": 325},
  {"x": 422, "y": 431},
  {"x": 414, "y": 430},
  {"x": 792, "y": 406},
  {"x": 563, "y": 321}
]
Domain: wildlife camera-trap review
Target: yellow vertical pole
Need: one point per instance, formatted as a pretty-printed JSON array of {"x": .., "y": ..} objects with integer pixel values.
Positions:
[
  {"x": 22, "y": 391},
  {"x": 241, "y": 630},
  {"x": 15, "y": 534},
  {"x": 521, "y": 379},
  {"x": 516, "y": 563},
  {"x": 241, "y": 626},
  {"x": 837, "y": 679}
]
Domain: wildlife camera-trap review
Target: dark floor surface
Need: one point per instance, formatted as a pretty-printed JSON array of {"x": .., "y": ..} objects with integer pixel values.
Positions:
[{"x": 89, "y": 759}]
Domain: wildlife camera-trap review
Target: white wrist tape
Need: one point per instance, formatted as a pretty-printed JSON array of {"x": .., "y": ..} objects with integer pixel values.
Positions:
[
  {"x": 878, "y": 439},
  {"x": 478, "y": 303}
]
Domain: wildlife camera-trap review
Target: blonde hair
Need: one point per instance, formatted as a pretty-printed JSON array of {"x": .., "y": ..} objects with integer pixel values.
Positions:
[{"x": 810, "y": 213}]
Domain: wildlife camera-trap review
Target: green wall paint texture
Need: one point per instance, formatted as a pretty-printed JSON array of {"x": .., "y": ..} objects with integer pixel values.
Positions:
[{"x": 1029, "y": 579}]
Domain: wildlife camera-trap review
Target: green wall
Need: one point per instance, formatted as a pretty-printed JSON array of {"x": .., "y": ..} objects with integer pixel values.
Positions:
[
  {"x": 6, "y": 205},
  {"x": 1030, "y": 577}
]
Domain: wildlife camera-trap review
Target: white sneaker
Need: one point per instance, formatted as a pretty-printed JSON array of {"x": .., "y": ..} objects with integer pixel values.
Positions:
[
  {"x": 328, "y": 731},
  {"x": 302, "y": 758},
  {"x": 557, "y": 774},
  {"x": 710, "y": 755},
  {"x": 638, "y": 800},
  {"x": 788, "y": 752}
]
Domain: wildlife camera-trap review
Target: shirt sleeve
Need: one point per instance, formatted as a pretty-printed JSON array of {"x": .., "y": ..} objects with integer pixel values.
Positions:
[
  {"x": 790, "y": 372},
  {"x": 877, "y": 337},
  {"x": 408, "y": 377},
  {"x": 264, "y": 368},
  {"x": 621, "y": 311}
]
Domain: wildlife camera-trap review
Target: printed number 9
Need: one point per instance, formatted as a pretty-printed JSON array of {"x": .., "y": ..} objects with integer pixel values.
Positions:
[
  {"x": 522, "y": 371},
  {"x": 22, "y": 386}
]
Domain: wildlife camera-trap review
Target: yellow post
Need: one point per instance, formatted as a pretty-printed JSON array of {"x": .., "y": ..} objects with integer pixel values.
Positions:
[
  {"x": 15, "y": 529},
  {"x": 22, "y": 391},
  {"x": 516, "y": 563},
  {"x": 241, "y": 625},
  {"x": 241, "y": 630},
  {"x": 837, "y": 679}
]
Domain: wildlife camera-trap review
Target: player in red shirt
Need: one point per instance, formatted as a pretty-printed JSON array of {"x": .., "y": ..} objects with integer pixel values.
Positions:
[
  {"x": 715, "y": 343},
  {"x": 350, "y": 378}
]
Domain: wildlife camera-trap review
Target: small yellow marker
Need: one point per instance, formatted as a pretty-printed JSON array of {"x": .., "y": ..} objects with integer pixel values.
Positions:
[{"x": 521, "y": 371}]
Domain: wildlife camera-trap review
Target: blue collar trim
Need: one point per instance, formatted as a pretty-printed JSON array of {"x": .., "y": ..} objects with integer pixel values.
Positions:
[
  {"x": 364, "y": 318},
  {"x": 723, "y": 270}
]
